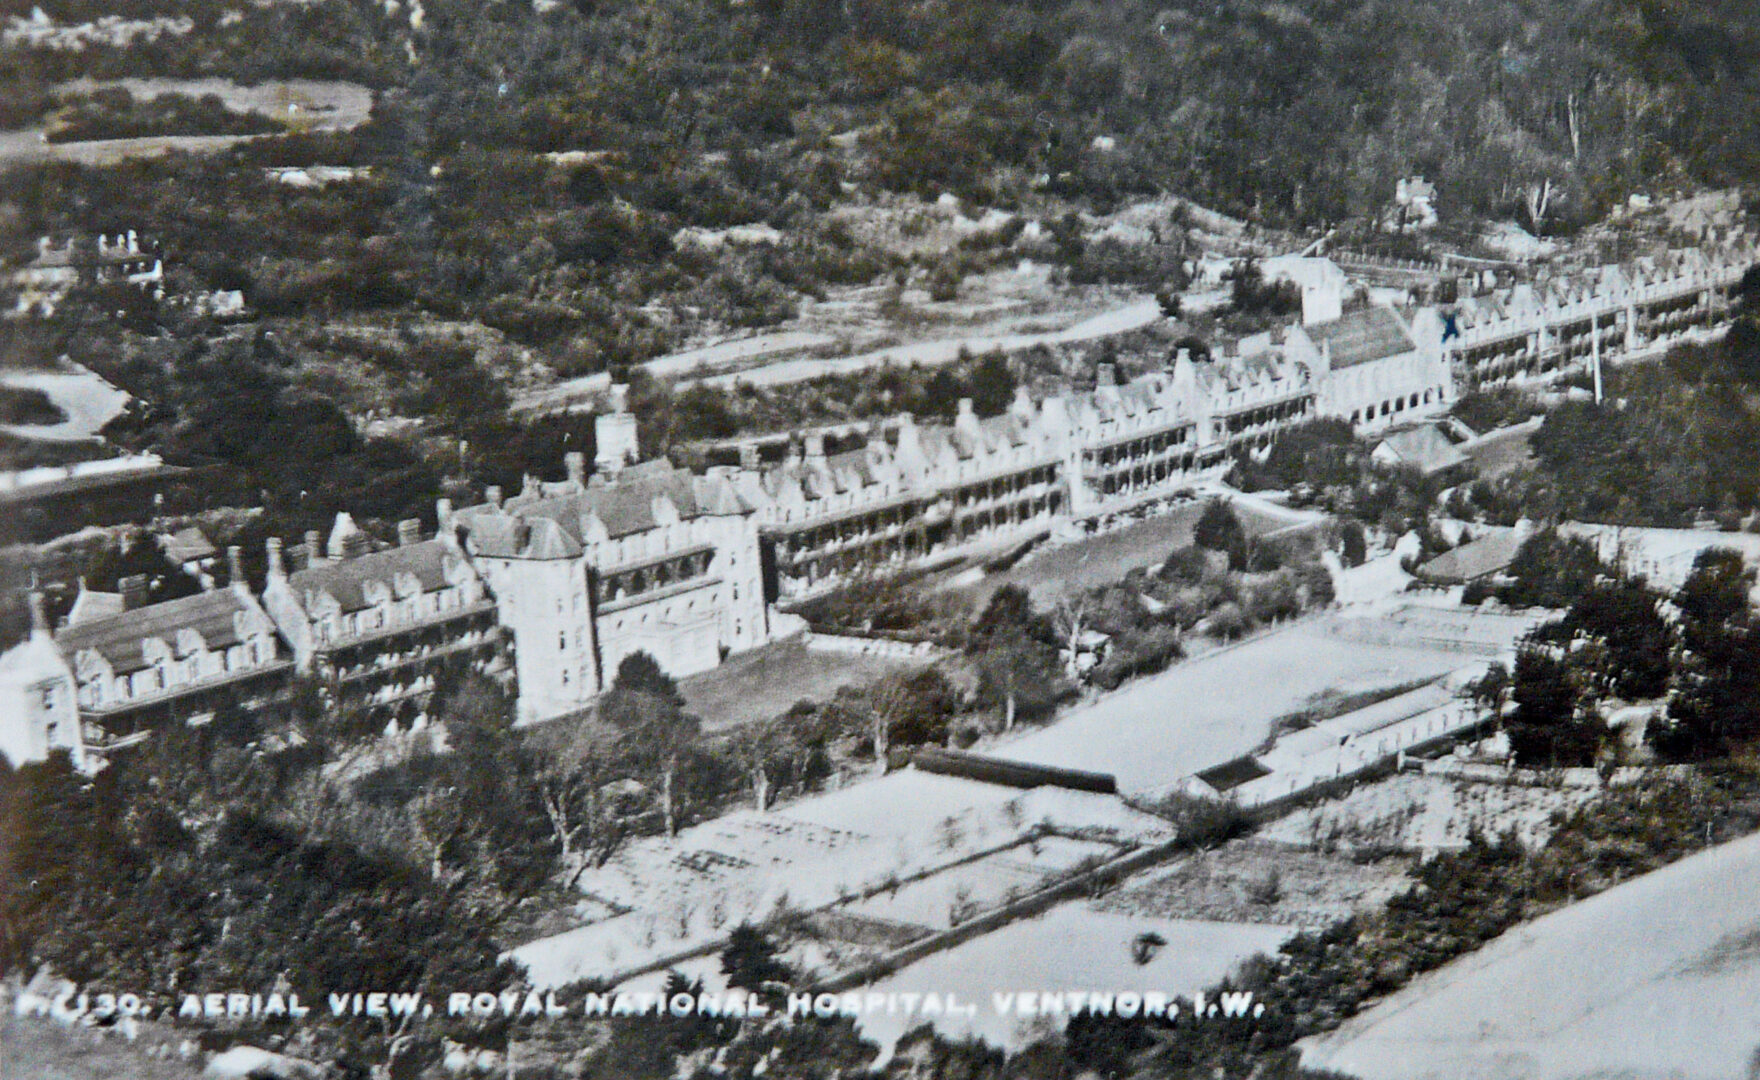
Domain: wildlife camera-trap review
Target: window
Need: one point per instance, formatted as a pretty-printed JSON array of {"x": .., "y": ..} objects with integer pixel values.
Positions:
[{"x": 562, "y": 639}]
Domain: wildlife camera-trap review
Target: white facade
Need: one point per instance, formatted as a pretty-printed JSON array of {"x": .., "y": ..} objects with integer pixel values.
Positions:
[{"x": 39, "y": 710}]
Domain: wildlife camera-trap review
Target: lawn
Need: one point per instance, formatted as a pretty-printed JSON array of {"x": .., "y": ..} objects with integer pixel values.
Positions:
[{"x": 764, "y": 683}]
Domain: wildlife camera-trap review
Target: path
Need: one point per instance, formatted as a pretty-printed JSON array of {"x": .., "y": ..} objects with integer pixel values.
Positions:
[
  {"x": 323, "y": 106},
  {"x": 1132, "y": 316}
]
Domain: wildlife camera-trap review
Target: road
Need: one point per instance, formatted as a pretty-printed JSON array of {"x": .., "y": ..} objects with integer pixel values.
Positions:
[
  {"x": 320, "y": 106},
  {"x": 1655, "y": 978},
  {"x": 88, "y": 401},
  {"x": 1132, "y": 316}
]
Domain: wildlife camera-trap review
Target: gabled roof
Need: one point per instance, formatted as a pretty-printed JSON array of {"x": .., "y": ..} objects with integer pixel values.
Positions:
[
  {"x": 346, "y": 580},
  {"x": 1473, "y": 560},
  {"x": 186, "y": 545},
  {"x": 119, "y": 638},
  {"x": 1426, "y": 448},
  {"x": 1362, "y": 336}
]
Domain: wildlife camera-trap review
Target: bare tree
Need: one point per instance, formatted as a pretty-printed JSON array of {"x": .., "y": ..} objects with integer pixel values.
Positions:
[
  {"x": 1539, "y": 198},
  {"x": 572, "y": 764},
  {"x": 1070, "y": 616},
  {"x": 756, "y": 746}
]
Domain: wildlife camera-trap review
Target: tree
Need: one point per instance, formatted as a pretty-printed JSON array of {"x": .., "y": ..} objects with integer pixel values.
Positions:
[
  {"x": 992, "y": 384},
  {"x": 750, "y": 961},
  {"x": 1218, "y": 529},
  {"x": 1715, "y": 709},
  {"x": 644, "y": 705},
  {"x": 757, "y": 747},
  {"x": 1624, "y": 616},
  {"x": 1550, "y": 728},
  {"x": 1017, "y": 671},
  {"x": 911, "y": 708},
  {"x": 570, "y": 763},
  {"x": 1354, "y": 546}
]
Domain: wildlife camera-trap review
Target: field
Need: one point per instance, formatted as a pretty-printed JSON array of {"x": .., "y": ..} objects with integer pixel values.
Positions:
[
  {"x": 765, "y": 682},
  {"x": 1654, "y": 978},
  {"x": 1209, "y": 710},
  {"x": 1419, "y": 812},
  {"x": 1076, "y": 947},
  {"x": 1257, "y": 881},
  {"x": 1106, "y": 558}
]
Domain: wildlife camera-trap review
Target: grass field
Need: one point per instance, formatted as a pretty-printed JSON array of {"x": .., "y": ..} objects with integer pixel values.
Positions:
[{"x": 1655, "y": 978}]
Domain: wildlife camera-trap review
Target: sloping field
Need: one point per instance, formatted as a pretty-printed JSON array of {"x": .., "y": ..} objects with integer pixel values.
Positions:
[
  {"x": 1656, "y": 978},
  {"x": 1218, "y": 707}
]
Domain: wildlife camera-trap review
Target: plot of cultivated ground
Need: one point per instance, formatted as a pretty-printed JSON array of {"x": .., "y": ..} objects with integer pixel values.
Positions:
[
  {"x": 1256, "y": 881},
  {"x": 766, "y": 682},
  {"x": 1655, "y": 978},
  {"x": 1419, "y": 812},
  {"x": 1218, "y": 707}
]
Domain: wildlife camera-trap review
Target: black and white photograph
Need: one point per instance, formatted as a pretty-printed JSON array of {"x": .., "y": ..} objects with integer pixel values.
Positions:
[{"x": 879, "y": 540}]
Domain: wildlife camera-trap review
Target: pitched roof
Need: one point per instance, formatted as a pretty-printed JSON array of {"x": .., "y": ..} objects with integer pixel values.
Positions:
[
  {"x": 1426, "y": 448},
  {"x": 119, "y": 637},
  {"x": 1473, "y": 560},
  {"x": 186, "y": 545},
  {"x": 346, "y": 580},
  {"x": 1362, "y": 336}
]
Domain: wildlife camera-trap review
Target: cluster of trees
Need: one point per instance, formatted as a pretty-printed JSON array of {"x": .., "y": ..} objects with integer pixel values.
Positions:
[
  {"x": 1621, "y": 640},
  {"x": 1674, "y": 441},
  {"x": 690, "y": 116},
  {"x": 26, "y": 405}
]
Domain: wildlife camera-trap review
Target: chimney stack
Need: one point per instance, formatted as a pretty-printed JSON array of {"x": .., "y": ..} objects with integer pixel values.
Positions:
[
  {"x": 277, "y": 563},
  {"x": 1106, "y": 375},
  {"x": 443, "y": 512},
  {"x": 235, "y": 568},
  {"x": 134, "y": 591},
  {"x": 493, "y": 494},
  {"x": 965, "y": 407},
  {"x": 576, "y": 464},
  {"x": 1023, "y": 403},
  {"x": 39, "y": 615},
  {"x": 815, "y": 446},
  {"x": 409, "y": 531},
  {"x": 314, "y": 548},
  {"x": 748, "y": 457}
]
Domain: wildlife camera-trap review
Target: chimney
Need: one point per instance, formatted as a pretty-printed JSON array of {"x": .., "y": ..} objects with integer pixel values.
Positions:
[
  {"x": 815, "y": 447},
  {"x": 39, "y": 615},
  {"x": 277, "y": 564},
  {"x": 134, "y": 591},
  {"x": 443, "y": 513},
  {"x": 619, "y": 397},
  {"x": 748, "y": 457},
  {"x": 134, "y": 244},
  {"x": 409, "y": 531},
  {"x": 576, "y": 464},
  {"x": 44, "y": 246},
  {"x": 1106, "y": 375},
  {"x": 1023, "y": 403},
  {"x": 493, "y": 494},
  {"x": 235, "y": 569},
  {"x": 966, "y": 421},
  {"x": 314, "y": 548}
]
